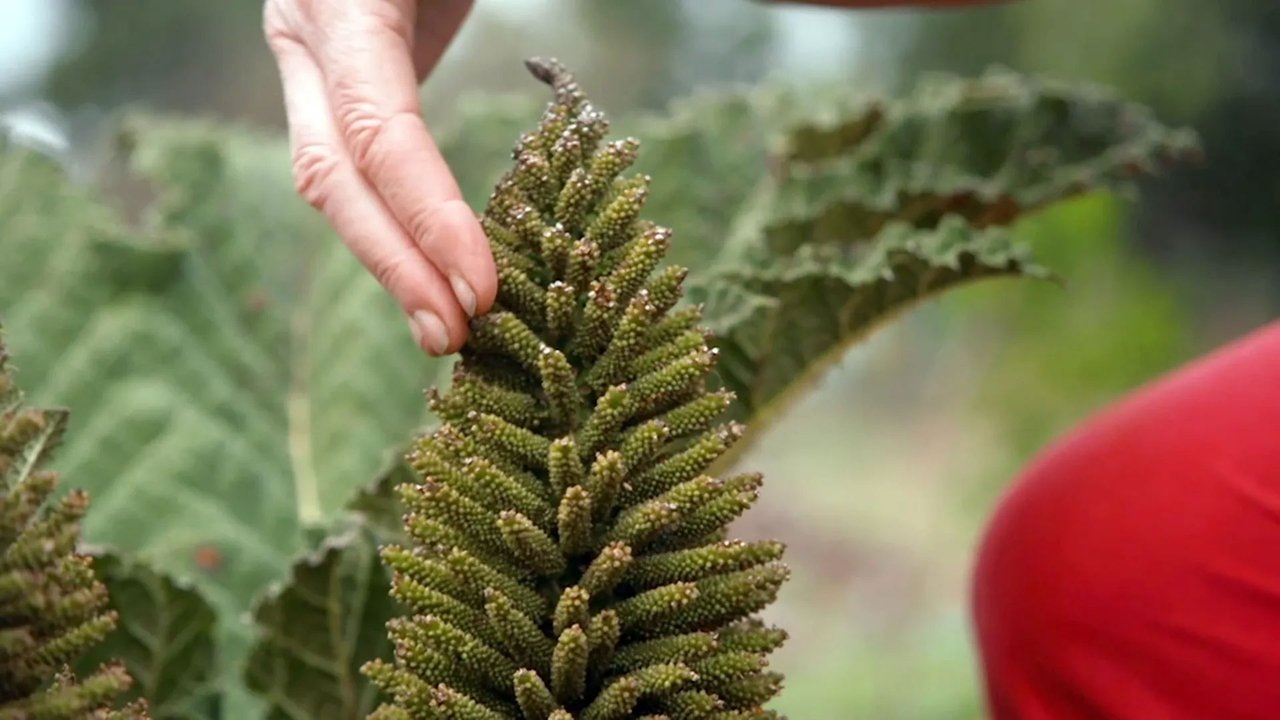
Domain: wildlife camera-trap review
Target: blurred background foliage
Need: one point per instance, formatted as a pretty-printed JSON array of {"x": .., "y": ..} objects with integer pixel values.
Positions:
[{"x": 880, "y": 482}]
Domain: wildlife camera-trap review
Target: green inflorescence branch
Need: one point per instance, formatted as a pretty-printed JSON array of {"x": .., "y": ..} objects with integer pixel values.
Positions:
[
  {"x": 52, "y": 607},
  {"x": 567, "y": 554}
]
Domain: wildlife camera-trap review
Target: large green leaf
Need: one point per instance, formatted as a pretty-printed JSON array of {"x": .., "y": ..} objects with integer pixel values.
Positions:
[
  {"x": 378, "y": 507},
  {"x": 234, "y": 372},
  {"x": 882, "y": 204},
  {"x": 706, "y": 155},
  {"x": 319, "y": 629},
  {"x": 166, "y": 638},
  {"x": 329, "y": 618},
  {"x": 779, "y": 328},
  {"x": 988, "y": 149}
]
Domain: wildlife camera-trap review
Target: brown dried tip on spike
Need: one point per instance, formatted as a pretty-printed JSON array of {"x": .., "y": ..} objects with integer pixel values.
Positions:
[
  {"x": 551, "y": 72},
  {"x": 544, "y": 70}
]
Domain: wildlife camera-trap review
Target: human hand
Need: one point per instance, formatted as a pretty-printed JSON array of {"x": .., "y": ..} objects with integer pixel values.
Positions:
[{"x": 362, "y": 154}]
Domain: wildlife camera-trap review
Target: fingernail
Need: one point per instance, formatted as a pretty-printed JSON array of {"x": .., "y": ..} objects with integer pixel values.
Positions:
[
  {"x": 430, "y": 332},
  {"x": 466, "y": 296}
]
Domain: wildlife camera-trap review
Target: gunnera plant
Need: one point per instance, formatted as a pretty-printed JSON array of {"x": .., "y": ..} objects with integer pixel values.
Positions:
[
  {"x": 567, "y": 553},
  {"x": 52, "y": 607}
]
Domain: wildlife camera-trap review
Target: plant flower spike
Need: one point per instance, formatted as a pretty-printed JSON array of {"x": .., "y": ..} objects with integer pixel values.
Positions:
[
  {"x": 52, "y": 607},
  {"x": 568, "y": 554}
]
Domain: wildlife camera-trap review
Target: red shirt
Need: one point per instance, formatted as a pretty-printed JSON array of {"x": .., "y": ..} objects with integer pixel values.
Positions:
[{"x": 1133, "y": 572}]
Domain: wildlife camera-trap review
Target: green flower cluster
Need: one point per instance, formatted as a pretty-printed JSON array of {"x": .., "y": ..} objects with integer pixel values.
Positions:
[
  {"x": 568, "y": 554},
  {"x": 52, "y": 607}
]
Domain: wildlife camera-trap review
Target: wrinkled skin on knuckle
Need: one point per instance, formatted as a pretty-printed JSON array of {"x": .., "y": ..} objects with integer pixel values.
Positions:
[
  {"x": 314, "y": 166},
  {"x": 361, "y": 123},
  {"x": 392, "y": 270},
  {"x": 372, "y": 137}
]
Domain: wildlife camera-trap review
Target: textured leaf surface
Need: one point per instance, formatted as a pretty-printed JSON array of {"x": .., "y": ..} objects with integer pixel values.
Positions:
[
  {"x": 778, "y": 328},
  {"x": 378, "y": 506},
  {"x": 233, "y": 371},
  {"x": 988, "y": 149},
  {"x": 319, "y": 628},
  {"x": 165, "y": 637},
  {"x": 884, "y": 204},
  {"x": 709, "y": 153}
]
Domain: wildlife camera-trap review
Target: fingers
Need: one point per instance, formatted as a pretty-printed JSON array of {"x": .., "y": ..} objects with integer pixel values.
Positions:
[
  {"x": 433, "y": 31},
  {"x": 329, "y": 181},
  {"x": 366, "y": 60}
]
